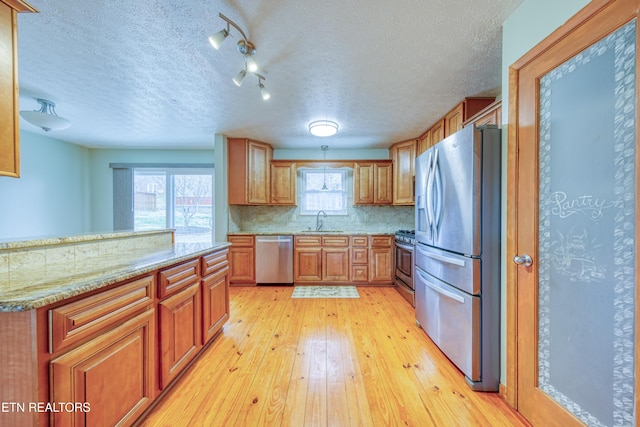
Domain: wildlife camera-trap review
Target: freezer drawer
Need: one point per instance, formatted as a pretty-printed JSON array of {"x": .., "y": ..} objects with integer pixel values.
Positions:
[
  {"x": 457, "y": 270},
  {"x": 451, "y": 318}
]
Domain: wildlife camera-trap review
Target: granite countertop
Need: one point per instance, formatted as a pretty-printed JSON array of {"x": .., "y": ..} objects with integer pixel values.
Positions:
[
  {"x": 304, "y": 232},
  {"x": 23, "y": 298}
]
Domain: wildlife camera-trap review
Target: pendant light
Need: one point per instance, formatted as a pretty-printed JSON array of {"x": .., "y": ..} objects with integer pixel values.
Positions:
[{"x": 324, "y": 149}]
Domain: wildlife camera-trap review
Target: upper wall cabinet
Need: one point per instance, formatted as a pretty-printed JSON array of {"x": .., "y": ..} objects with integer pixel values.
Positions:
[
  {"x": 462, "y": 112},
  {"x": 403, "y": 155},
  {"x": 491, "y": 115},
  {"x": 283, "y": 182},
  {"x": 372, "y": 182},
  {"x": 249, "y": 172},
  {"x": 9, "y": 121}
]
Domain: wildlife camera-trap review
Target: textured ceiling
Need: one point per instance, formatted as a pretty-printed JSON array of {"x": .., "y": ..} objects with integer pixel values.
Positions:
[{"x": 142, "y": 74}]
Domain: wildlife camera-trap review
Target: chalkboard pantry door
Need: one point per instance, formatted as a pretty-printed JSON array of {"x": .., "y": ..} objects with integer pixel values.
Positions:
[{"x": 572, "y": 294}]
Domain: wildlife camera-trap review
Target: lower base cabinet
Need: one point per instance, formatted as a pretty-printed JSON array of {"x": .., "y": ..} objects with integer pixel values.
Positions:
[
  {"x": 215, "y": 303},
  {"x": 110, "y": 379},
  {"x": 180, "y": 336}
]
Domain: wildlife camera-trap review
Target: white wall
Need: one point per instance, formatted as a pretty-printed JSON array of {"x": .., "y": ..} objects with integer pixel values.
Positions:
[
  {"x": 51, "y": 197},
  {"x": 101, "y": 176},
  {"x": 526, "y": 27}
]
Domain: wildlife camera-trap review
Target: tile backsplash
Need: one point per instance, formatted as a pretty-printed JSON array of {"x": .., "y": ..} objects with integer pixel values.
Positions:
[{"x": 385, "y": 219}]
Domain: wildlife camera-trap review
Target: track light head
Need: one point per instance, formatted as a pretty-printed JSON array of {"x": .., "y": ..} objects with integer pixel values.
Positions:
[
  {"x": 239, "y": 77},
  {"x": 217, "y": 39}
]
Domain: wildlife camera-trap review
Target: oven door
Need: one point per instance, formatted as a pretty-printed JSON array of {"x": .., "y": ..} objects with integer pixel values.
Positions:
[{"x": 404, "y": 263}]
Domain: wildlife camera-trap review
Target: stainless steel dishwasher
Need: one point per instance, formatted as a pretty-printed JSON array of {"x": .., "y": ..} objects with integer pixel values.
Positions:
[{"x": 274, "y": 259}]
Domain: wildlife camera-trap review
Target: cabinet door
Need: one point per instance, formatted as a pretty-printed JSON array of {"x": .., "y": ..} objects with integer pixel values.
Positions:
[
  {"x": 307, "y": 265},
  {"x": 215, "y": 303},
  {"x": 363, "y": 192},
  {"x": 113, "y": 373},
  {"x": 242, "y": 265},
  {"x": 258, "y": 181},
  {"x": 9, "y": 121},
  {"x": 180, "y": 335},
  {"x": 335, "y": 264},
  {"x": 424, "y": 142},
  {"x": 283, "y": 183},
  {"x": 381, "y": 265},
  {"x": 437, "y": 132},
  {"x": 383, "y": 183},
  {"x": 403, "y": 171},
  {"x": 453, "y": 120}
]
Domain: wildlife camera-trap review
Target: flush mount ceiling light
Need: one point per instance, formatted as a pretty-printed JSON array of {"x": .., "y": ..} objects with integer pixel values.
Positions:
[
  {"x": 323, "y": 128},
  {"x": 46, "y": 117},
  {"x": 246, "y": 49}
]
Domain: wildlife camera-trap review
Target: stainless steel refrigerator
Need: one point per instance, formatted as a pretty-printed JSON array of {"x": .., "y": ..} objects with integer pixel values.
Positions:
[{"x": 457, "y": 258}]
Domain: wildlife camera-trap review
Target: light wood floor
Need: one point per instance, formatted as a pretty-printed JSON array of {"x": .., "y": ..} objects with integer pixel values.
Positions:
[{"x": 325, "y": 362}]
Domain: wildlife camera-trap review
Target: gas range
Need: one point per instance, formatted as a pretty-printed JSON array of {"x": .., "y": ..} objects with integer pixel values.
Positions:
[{"x": 406, "y": 236}]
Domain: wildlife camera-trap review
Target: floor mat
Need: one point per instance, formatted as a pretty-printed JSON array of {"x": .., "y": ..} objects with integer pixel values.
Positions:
[{"x": 325, "y": 292}]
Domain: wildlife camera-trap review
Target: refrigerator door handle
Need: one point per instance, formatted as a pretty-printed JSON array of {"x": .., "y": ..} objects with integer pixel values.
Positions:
[
  {"x": 439, "y": 191},
  {"x": 442, "y": 258},
  {"x": 429, "y": 196},
  {"x": 439, "y": 290}
]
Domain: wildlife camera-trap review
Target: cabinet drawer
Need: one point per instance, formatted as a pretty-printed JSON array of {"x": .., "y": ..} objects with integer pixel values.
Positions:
[
  {"x": 340, "y": 241},
  {"x": 381, "y": 241},
  {"x": 359, "y": 273},
  {"x": 359, "y": 241},
  {"x": 359, "y": 255},
  {"x": 75, "y": 321},
  {"x": 214, "y": 261},
  {"x": 242, "y": 240},
  {"x": 308, "y": 241},
  {"x": 172, "y": 279}
]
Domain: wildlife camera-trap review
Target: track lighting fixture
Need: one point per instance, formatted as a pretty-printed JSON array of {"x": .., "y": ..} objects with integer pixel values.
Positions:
[{"x": 246, "y": 49}]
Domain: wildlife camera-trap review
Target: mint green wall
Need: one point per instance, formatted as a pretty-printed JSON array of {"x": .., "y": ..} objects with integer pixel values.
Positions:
[
  {"x": 526, "y": 27},
  {"x": 101, "y": 177},
  {"x": 51, "y": 197}
]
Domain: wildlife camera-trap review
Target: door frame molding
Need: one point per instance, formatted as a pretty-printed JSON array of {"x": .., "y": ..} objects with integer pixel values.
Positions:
[{"x": 589, "y": 12}]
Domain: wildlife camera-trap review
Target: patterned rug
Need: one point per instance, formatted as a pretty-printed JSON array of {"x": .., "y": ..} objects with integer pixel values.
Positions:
[{"x": 325, "y": 292}]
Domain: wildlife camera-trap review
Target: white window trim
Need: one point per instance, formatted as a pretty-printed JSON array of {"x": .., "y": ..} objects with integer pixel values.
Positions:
[{"x": 343, "y": 193}]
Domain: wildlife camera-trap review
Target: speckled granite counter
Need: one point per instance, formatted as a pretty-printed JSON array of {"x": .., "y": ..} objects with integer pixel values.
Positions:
[{"x": 34, "y": 275}]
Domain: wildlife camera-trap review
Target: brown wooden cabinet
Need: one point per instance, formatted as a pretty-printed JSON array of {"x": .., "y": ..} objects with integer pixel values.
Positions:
[
  {"x": 105, "y": 350},
  {"x": 491, "y": 115},
  {"x": 381, "y": 259},
  {"x": 403, "y": 155},
  {"x": 113, "y": 373},
  {"x": 249, "y": 172},
  {"x": 359, "y": 259},
  {"x": 462, "y": 112},
  {"x": 242, "y": 259},
  {"x": 9, "y": 102},
  {"x": 320, "y": 258},
  {"x": 373, "y": 183},
  {"x": 283, "y": 182},
  {"x": 180, "y": 335},
  {"x": 215, "y": 293}
]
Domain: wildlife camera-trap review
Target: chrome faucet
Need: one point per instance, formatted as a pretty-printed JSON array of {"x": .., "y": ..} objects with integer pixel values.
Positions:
[{"x": 319, "y": 221}]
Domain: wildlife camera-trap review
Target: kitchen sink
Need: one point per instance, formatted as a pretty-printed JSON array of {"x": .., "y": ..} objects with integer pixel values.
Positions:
[{"x": 322, "y": 231}]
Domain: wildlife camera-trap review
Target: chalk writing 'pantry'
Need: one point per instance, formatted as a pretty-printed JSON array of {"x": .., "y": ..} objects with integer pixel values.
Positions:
[{"x": 588, "y": 205}]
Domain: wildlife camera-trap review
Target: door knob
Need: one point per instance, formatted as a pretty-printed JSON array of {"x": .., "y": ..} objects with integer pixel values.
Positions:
[{"x": 523, "y": 260}]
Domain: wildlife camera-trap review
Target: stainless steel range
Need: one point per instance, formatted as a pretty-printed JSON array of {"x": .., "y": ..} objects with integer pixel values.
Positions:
[{"x": 403, "y": 259}]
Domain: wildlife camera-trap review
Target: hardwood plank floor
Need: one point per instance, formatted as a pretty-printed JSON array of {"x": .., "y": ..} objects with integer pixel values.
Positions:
[{"x": 325, "y": 362}]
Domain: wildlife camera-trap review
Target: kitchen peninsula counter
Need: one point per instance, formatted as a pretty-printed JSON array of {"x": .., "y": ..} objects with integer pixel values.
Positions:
[{"x": 39, "y": 272}]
